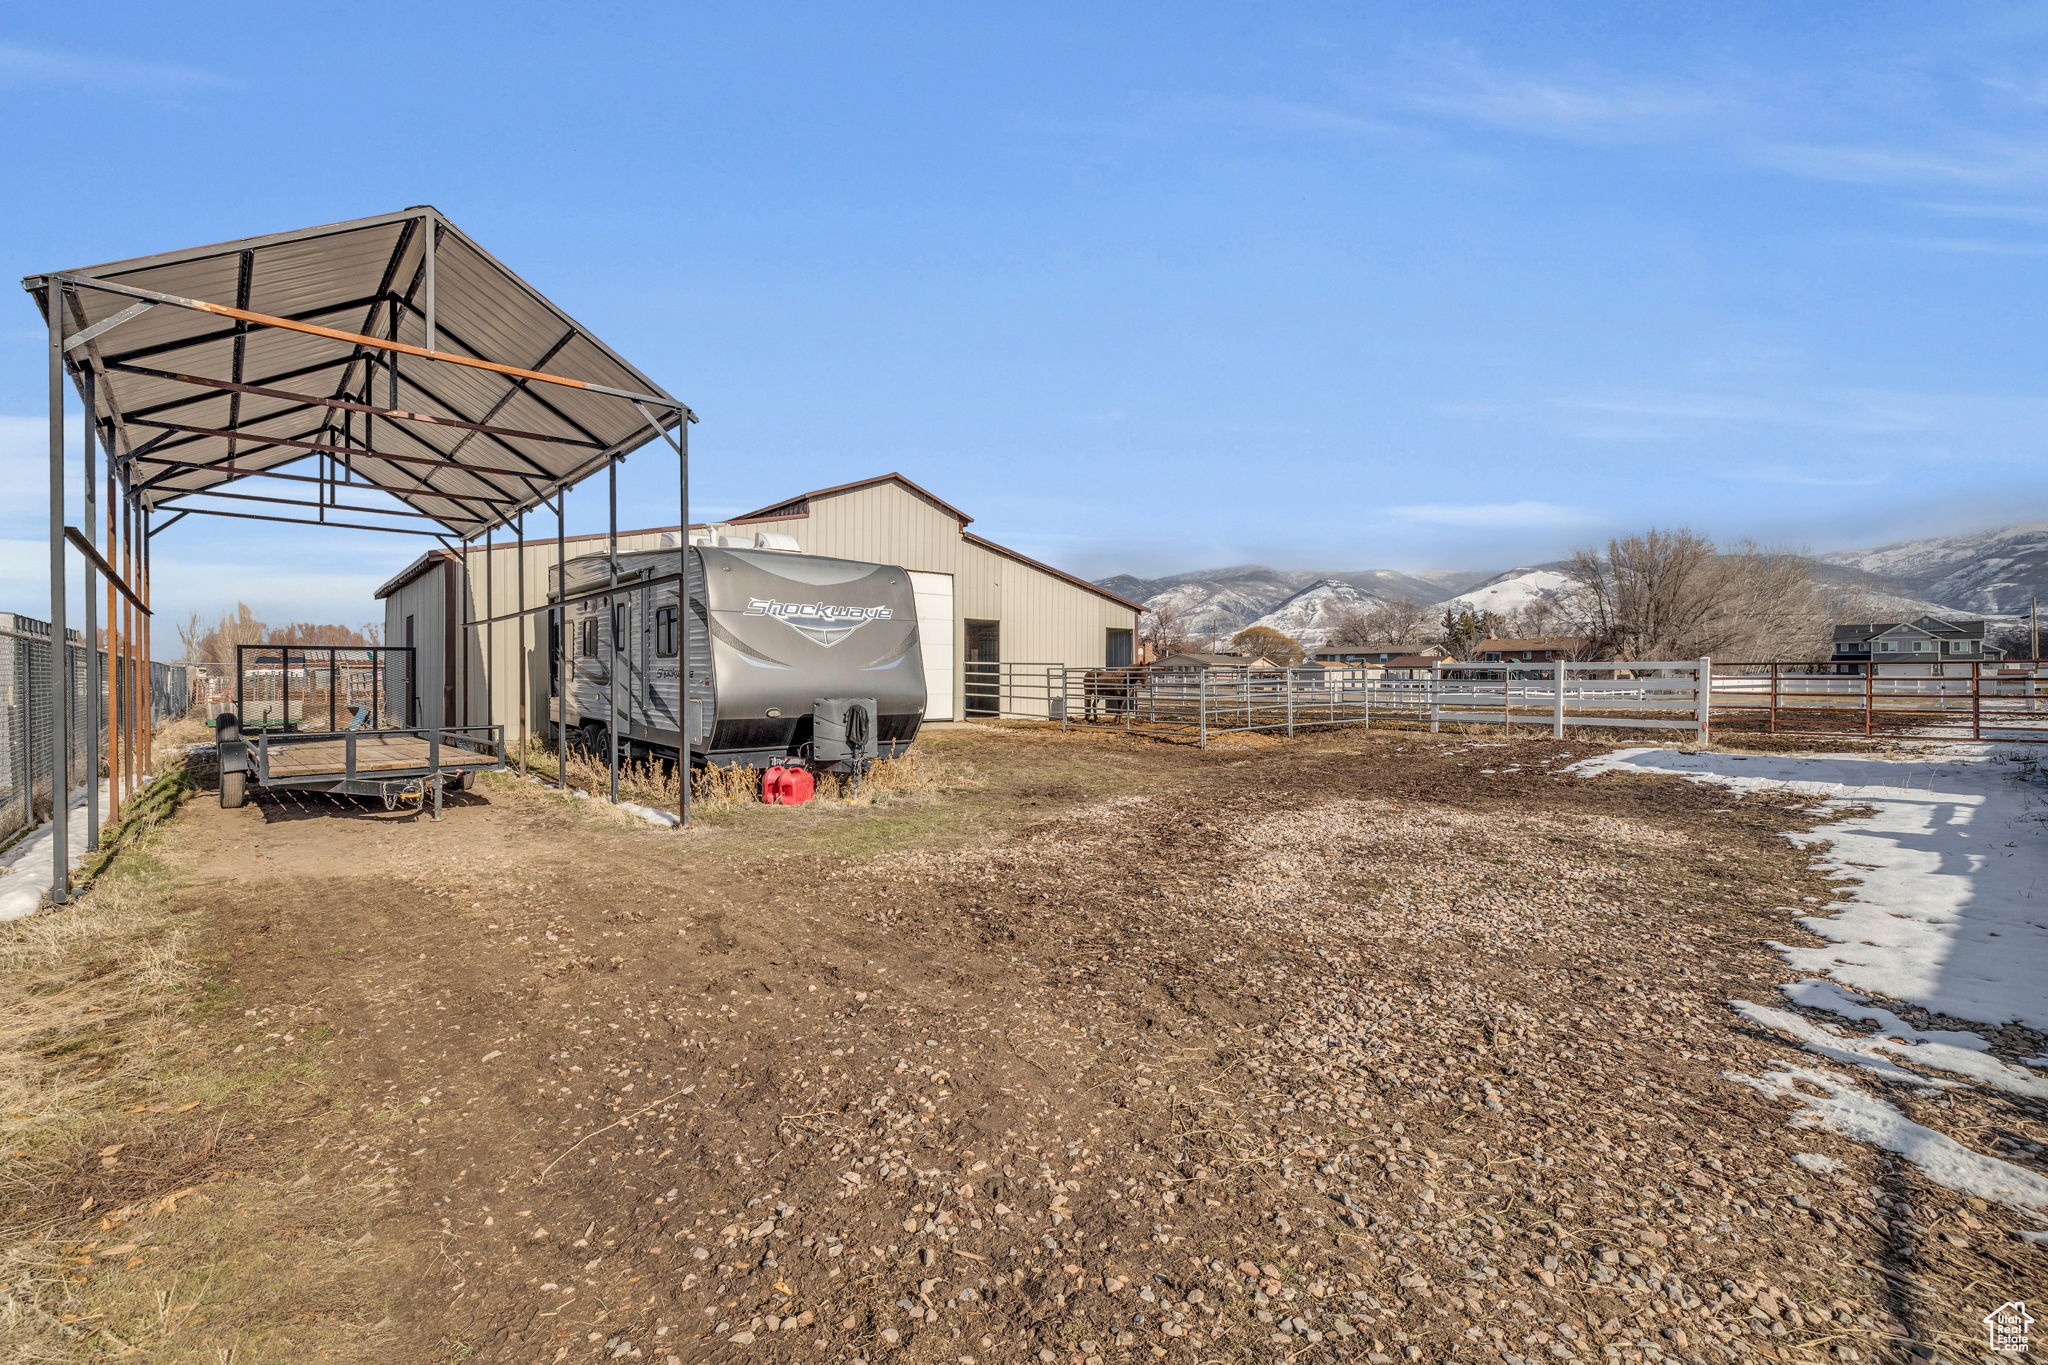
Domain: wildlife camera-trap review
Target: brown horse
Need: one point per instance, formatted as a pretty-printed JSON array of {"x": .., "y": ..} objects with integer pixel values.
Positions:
[{"x": 1109, "y": 689}]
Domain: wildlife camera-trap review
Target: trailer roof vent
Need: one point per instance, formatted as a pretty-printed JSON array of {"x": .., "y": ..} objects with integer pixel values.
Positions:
[{"x": 776, "y": 540}]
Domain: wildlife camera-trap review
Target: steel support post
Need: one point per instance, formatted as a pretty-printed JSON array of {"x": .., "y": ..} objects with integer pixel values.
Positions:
[
  {"x": 525, "y": 652},
  {"x": 60, "y": 664},
  {"x": 611, "y": 627},
  {"x": 113, "y": 654},
  {"x": 1557, "y": 704},
  {"x": 490, "y": 627},
  {"x": 686, "y": 774},
  {"x": 1869, "y": 690},
  {"x": 560, "y": 648},
  {"x": 94, "y": 671},
  {"x": 148, "y": 646},
  {"x": 1436, "y": 689},
  {"x": 463, "y": 638}
]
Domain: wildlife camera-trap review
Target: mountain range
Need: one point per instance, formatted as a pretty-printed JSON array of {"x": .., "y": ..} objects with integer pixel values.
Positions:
[{"x": 1987, "y": 573}]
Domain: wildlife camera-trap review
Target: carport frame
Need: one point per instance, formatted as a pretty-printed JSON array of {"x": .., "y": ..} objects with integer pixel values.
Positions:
[{"x": 123, "y": 556}]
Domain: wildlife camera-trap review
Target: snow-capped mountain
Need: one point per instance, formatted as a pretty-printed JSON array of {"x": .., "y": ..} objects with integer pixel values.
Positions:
[
  {"x": 1990, "y": 571},
  {"x": 1511, "y": 591},
  {"x": 1221, "y": 602},
  {"x": 1312, "y": 614}
]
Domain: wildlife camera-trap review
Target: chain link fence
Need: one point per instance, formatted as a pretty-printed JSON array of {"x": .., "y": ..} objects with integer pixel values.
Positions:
[{"x": 27, "y": 754}]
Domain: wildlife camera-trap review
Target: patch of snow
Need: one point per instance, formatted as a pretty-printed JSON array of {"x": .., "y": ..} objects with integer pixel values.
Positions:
[
  {"x": 1511, "y": 591},
  {"x": 1946, "y": 873},
  {"x": 1864, "y": 1051},
  {"x": 1816, "y": 1162},
  {"x": 1845, "y": 1109},
  {"x": 666, "y": 818},
  {"x": 28, "y": 870}
]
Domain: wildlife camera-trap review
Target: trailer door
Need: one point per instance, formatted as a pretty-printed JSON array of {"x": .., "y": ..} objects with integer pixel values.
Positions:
[{"x": 937, "y": 641}]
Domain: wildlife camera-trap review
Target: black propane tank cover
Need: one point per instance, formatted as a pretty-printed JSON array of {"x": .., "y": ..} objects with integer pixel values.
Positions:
[{"x": 843, "y": 730}]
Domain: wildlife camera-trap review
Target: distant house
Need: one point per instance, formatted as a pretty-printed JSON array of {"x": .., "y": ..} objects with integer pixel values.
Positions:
[
  {"x": 1921, "y": 647},
  {"x": 1420, "y": 665},
  {"x": 1518, "y": 657},
  {"x": 1535, "y": 648},
  {"x": 1370, "y": 656}
]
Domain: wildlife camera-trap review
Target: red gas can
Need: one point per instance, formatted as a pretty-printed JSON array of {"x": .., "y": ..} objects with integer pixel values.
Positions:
[
  {"x": 787, "y": 784},
  {"x": 798, "y": 786}
]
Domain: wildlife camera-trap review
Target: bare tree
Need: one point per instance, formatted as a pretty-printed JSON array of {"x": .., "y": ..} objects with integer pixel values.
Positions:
[
  {"x": 1675, "y": 595},
  {"x": 315, "y": 633},
  {"x": 1397, "y": 621},
  {"x": 214, "y": 642},
  {"x": 1164, "y": 632},
  {"x": 1281, "y": 648}
]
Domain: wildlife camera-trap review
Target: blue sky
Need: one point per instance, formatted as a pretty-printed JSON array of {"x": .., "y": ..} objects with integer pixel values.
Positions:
[{"x": 1142, "y": 286}]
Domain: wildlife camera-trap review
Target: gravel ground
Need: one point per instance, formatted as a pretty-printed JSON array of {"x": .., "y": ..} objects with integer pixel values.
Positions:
[{"x": 1378, "y": 1048}]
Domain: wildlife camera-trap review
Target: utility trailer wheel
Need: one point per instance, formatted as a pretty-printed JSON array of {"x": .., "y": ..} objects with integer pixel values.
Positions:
[{"x": 234, "y": 790}]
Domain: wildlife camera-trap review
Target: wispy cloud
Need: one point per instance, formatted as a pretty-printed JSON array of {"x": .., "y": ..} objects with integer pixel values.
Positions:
[
  {"x": 23, "y": 67},
  {"x": 1967, "y": 160},
  {"x": 1968, "y": 246},
  {"x": 1273, "y": 115},
  {"x": 1526, "y": 515},
  {"x": 1982, "y": 425},
  {"x": 1453, "y": 82},
  {"x": 2006, "y": 213}
]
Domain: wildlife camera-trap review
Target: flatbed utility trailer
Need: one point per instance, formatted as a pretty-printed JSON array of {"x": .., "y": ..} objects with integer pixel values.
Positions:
[{"x": 374, "y": 753}]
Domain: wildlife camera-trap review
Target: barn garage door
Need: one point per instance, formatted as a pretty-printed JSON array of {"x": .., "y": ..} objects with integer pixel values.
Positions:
[{"x": 937, "y": 638}]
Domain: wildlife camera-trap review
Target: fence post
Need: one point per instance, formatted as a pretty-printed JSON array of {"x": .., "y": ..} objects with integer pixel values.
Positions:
[
  {"x": 1869, "y": 689},
  {"x": 1774, "y": 699},
  {"x": 1436, "y": 687},
  {"x": 1557, "y": 704},
  {"x": 1202, "y": 708},
  {"x": 1976, "y": 701},
  {"x": 1703, "y": 712},
  {"x": 1289, "y": 685}
]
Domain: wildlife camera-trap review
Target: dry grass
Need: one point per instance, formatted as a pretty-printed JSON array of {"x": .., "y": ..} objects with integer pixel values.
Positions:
[
  {"x": 182, "y": 732},
  {"x": 129, "y": 1168},
  {"x": 729, "y": 787}
]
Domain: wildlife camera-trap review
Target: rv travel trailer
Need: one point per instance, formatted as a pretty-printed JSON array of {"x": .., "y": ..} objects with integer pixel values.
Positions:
[{"x": 792, "y": 655}]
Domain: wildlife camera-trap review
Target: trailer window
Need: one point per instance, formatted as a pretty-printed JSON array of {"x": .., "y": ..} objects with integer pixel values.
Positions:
[
  {"x": 619, "y": 625},
  {"x": 586, "y": 638},
  {"x": 665, "y": 632}
]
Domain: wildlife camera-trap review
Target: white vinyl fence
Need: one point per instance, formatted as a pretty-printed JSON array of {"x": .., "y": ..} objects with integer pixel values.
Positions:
[{"x": 1194, "y": 704}]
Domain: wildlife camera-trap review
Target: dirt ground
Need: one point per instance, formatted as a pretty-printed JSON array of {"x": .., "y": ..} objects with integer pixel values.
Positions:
[{"x": 1372, "y": 1047}]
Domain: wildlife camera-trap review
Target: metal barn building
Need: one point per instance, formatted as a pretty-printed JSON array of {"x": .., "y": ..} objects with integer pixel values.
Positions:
[{"x": 978, "y": 603}]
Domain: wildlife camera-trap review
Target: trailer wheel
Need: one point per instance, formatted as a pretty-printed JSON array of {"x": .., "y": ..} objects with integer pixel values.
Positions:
[{"x": 234, "y": 790}]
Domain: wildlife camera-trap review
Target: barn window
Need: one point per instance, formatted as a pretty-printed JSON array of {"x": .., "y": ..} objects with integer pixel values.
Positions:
[{"x": 665, "y": 632}]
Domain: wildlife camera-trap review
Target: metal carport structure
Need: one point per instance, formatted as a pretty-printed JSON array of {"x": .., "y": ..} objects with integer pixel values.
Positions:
[{"x": 389, "y": 354}]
